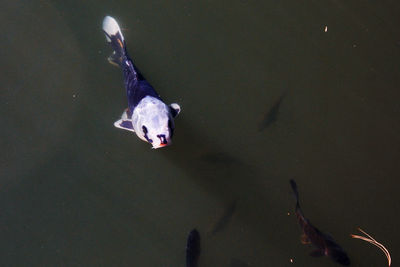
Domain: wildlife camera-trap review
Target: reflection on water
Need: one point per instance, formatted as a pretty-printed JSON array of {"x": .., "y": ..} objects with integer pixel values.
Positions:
[{"x": 75, "y": 191}]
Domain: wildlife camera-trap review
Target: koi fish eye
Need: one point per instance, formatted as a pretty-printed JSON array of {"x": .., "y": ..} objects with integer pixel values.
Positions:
[{"x": 145, "y": 131}]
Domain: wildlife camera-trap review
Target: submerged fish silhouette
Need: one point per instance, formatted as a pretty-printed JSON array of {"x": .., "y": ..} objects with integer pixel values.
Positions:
[
  {"x": 193, "y": 248},
  {"x": 324, "y": 243},
  {"x": 225, "y": 219},
  {"x": 272, "y": 115}
]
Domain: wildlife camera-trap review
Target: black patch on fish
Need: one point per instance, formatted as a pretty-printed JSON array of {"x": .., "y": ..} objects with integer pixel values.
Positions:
[
  {"x": 145, "y": 131},
  {"x": 193, "y": 248},
  {"x": 136, "y": 89},
  {"x": 126, "y": 124},
  {"x": 171, "y": 127},
  {"x": 272, "y": 115},
  {"x": 162, "y": 138},
  {"x": 173, "y": 111},
  {"x": 136, "y": 85}
]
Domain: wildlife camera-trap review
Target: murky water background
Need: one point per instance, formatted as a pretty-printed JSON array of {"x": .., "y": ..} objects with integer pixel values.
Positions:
[{"x": 75, "y": 191}]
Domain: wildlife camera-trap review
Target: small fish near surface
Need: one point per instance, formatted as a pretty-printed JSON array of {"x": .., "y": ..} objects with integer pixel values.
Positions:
[
  {"x": 272, "y": 115},
  {"x": 193, "y": 248},
  {"x": 147, "y": 115},
  {"x": 325, "y": 245}
]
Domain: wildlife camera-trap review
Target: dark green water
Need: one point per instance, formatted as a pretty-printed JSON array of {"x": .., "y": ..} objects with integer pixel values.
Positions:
[{"x": 76, "y": 191}]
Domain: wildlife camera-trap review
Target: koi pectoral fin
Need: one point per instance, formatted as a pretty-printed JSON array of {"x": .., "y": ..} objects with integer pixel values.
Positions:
[
  {"x": 175, "y": 109},
  {"x": 317, "y": 253},
  {"x": 124, "y": 124},
  {"x": 114, "y": 59}
]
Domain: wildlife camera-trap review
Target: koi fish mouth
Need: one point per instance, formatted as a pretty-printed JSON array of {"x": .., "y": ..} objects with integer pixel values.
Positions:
[
  {"x": 163, "y": 142},
  {"x": 160, "y": 145}
]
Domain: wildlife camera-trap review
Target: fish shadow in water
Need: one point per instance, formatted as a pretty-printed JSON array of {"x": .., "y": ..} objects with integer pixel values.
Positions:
[
  {"x": 225, "y": 219},
  {"x": 272, "y": 115},
  {"x": 223, "y": 175},
  {"x": 210, "y": 166}
]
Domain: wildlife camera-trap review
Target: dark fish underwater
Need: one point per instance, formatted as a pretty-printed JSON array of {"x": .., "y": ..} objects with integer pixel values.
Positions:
[
  {"x": 147, "y": 115},
  {"x": 272, "y": 115},
  {"x": 225, "y": 218},
  {"x": 324, "y": 243},
  {"x": 193, "y": 248}
]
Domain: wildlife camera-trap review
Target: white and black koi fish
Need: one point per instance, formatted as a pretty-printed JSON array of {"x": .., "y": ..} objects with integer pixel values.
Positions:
[
  {"x": 324, "y": 243},
  {"x": 147, "y": 115}
]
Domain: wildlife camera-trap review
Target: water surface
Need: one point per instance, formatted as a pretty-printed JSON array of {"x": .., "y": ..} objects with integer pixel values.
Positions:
[{"x": 75, "y": 191}]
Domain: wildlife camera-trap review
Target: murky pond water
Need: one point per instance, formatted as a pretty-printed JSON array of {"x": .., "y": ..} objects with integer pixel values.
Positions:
[{"x": 269, "y": 92}]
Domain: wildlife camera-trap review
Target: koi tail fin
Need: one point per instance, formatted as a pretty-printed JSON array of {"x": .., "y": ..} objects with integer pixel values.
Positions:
[
  {"x": 116, "y": 39},
  {"x": 296, "y": 193}
]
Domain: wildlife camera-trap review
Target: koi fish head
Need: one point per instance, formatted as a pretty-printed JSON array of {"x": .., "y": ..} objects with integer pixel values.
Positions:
[
  {"x": 153, "y": 122},
  {"x": 157, "y": 130}
]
